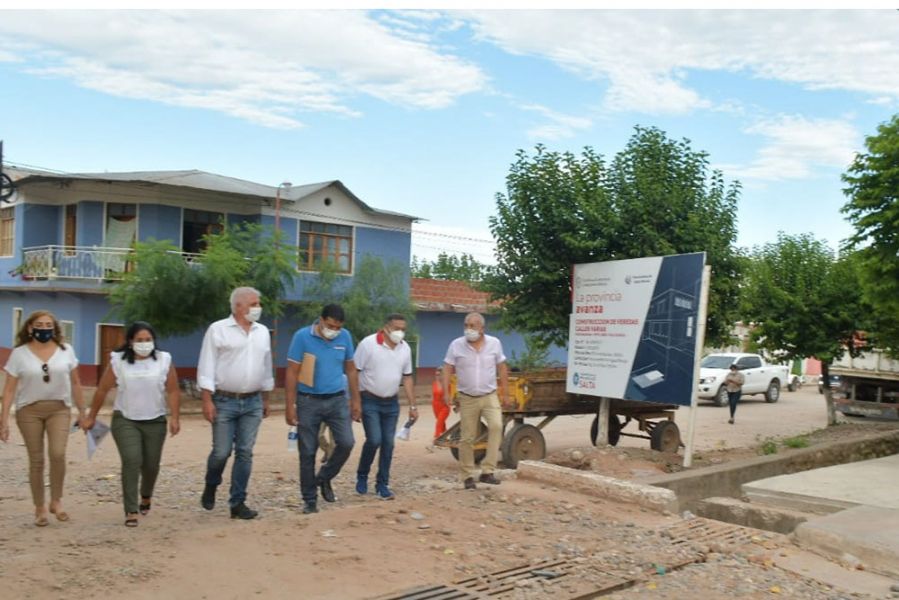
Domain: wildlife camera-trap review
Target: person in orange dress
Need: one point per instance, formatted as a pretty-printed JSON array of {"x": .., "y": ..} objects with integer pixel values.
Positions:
[{"x": 441, "y": 410}]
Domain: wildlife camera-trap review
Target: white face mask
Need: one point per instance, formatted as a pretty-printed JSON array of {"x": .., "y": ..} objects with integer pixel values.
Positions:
[
  {"x": 143, "y": 349},
  {"x": 396, "y": 336},
  {"x": 472, "y": 335},
  {"x": 254, "y": 313},
  {"x": 329, "y": 334}
]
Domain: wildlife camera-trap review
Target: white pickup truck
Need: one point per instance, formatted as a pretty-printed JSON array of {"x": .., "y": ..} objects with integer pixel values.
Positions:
[{"x": 761, "y": 378}]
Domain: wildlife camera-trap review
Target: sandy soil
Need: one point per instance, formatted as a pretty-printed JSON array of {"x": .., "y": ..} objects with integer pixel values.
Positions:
[{"x": 360, "y": 547}]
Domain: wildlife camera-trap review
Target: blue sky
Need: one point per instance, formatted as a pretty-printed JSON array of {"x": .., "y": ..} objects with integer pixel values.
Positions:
[{"x": 422, "y": 111}]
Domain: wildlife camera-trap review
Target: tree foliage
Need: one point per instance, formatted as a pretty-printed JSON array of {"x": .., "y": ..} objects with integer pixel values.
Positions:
[
  {"x": 179, "y": 297},
  {"x": 462, "y": 267},
  {"x": 657, "y": 196},
  {"x": 377, "y": 289},
  {"x": 803, "y": 301},
  {"x": 872, "y": 186}
]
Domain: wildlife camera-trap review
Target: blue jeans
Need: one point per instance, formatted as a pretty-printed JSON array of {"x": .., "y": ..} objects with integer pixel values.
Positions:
[
  {"x": 236, "y": 424},
  {"x": 379, "y": 419},
  {"x": 311, "y": 413},
  {"x": 733, "y": 398}
]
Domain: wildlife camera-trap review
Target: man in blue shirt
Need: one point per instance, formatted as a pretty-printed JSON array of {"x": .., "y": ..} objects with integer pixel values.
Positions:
[{"x": 329, "y": 347}]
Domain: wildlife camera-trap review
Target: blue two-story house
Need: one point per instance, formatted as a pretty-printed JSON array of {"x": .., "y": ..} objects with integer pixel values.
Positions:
[{"x": 65, "y": 239}]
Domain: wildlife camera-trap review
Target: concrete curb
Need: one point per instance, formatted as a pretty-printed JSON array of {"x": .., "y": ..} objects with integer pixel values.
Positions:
[
  {"x": 647, "y": 496},
  {"x": 726, "y": 479},
  {"x": 868, "y": 535},
  {"x": 769, "y": 518}
]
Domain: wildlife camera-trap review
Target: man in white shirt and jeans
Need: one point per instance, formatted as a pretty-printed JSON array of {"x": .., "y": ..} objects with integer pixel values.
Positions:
[
  {"x": 384, "y": 361},
  {"x": 235, "y": 378},
  {"x": 477, "y": 358}
]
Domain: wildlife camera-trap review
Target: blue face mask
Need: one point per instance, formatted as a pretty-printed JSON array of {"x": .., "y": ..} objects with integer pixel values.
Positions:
[{"x": 42, "y": 335}]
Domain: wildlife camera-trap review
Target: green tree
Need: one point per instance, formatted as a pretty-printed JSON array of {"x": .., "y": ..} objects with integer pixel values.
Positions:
[
  {"x": 657, "y": 197},
  {"x": 872, "y": 186},
  {"x": 178, "y": 297},
  {"x": 804, "y": 302},
  {"x": 377, "y": 289},
  {"x": 462, "y": 267}
]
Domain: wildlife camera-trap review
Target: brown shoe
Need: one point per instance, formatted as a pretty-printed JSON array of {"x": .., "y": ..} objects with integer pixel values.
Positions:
[
  {"x": 489, "y": 478},
  {"x": 469, "y": 484}
]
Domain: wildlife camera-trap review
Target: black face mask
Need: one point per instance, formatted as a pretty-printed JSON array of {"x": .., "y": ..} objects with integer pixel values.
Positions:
[{"x": 42, "y": 335}]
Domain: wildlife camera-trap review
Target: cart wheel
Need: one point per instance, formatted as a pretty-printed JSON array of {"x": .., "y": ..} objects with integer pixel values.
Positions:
[
  {"x": 479, "y": 454},
  {"x": 665, "y": 437},
  {"x": 523, "y": 442},
  {"x": 614, "y": 430}
]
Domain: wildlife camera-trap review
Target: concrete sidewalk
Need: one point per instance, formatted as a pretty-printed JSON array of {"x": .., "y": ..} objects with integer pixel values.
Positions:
[{"x": 860, "y": 501}]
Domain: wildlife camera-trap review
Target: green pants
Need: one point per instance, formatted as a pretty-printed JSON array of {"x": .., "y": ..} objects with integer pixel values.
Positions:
[{"x": 140, "y": 446}]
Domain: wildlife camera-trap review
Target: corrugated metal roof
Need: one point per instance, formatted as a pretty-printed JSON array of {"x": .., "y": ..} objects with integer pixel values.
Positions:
[{"x": 200, "y": 180}]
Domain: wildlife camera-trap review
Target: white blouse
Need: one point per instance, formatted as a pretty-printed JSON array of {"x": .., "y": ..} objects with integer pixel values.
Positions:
[
  {"x": 141, "y": 387},
  {"x": 27, "y": 368}
]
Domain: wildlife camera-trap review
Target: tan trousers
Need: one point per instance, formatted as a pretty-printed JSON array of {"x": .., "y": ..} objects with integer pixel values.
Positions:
[
  {"x": 34, "y": 420},
  {"x": 471, "y": 410}
]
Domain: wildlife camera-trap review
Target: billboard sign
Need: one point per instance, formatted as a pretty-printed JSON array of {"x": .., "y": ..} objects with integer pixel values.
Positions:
[{"x": 633, "y": 328}]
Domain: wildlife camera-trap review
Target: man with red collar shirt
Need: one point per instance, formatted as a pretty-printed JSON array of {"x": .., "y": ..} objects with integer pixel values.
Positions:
[{"x": 384, "y": 361}]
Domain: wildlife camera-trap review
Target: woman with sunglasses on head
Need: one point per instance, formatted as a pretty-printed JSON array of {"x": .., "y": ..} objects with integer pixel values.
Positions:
[
  {"x": 145, "y": 382},
  {"x": 42, "y": 377}
]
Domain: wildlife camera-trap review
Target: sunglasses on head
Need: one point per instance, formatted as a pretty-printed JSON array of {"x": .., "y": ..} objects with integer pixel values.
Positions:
[{"x": 46, "y": 370}]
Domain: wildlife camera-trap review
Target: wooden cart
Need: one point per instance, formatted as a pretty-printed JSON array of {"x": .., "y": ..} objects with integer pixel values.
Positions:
[{"x": 542, "y": 395}]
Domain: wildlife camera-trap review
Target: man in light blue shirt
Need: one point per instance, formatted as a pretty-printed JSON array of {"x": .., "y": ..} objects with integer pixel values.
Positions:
[{"x": 322, "y": 400}]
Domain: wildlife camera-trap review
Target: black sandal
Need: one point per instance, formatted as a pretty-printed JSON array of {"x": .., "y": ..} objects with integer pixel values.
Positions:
[
  {"x": 144, "y": 508},
  {"x": 131, "y": 522}
]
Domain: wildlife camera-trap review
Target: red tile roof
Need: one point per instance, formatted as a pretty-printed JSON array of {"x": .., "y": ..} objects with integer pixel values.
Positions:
[{"x": 439, "y": 295}]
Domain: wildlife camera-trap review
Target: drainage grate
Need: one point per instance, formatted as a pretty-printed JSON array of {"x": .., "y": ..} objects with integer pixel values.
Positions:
[
  {"x": 576, "y": 576},
  {"x": 433, "y": 592},
  {"x": 725, "y": 535}
]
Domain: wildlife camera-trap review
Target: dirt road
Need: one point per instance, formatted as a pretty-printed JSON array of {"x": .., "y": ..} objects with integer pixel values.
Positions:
[{"x": 434, "y": 532}]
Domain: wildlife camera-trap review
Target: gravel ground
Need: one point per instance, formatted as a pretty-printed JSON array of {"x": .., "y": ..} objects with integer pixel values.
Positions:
[{"x": 434, "y": 532}]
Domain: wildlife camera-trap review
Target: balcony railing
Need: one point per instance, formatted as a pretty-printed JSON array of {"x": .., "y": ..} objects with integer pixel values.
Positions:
[{"x": 80, "y": 262}]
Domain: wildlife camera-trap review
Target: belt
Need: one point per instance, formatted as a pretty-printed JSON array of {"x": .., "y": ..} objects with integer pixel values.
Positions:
[
  {"x": 322, "y": 396},
  {"x": 236, "y": 395},
  {"x": 382, "y": 398},
  {"x": 477, "y": 395}
]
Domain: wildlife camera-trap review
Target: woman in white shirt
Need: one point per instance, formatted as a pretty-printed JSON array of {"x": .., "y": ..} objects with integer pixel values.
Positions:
[
  {"x": 42, "y": 377},
  {"x": 145, "y": 382}
]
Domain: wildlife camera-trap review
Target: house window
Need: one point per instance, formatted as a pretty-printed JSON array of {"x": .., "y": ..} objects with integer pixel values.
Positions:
[
  {"x": 70, "y": 235},
  {"x": 68, "y": 331},
  {"x": 198, "y": 223},
  {"x": 121, "y": 225},
  {"x": 321, "y": 242},
  {"x": 16, "y": 324},
  {"x": 7, "y": 230}
]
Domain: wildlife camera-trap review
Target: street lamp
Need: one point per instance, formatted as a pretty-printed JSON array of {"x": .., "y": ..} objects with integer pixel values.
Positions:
[{"x": 286, "y": 187}]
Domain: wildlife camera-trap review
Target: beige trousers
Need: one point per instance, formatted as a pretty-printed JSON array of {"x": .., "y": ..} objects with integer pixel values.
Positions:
[
  {"x": 50, "y": 417},
  {"x": 471, "y": 410}
]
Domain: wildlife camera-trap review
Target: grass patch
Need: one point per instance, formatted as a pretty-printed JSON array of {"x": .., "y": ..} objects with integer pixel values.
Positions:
[
  {"x": 768, "y": 446},
  {"x": 800, "y": 441}
]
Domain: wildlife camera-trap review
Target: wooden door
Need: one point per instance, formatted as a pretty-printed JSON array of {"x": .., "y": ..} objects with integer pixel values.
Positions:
[{"x": 111, "y": 337}]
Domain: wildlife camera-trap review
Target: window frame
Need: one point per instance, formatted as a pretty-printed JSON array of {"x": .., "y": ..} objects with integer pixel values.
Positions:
[
  {"x": 308, "y": 264},
  {"x": 8, "y": 210}
]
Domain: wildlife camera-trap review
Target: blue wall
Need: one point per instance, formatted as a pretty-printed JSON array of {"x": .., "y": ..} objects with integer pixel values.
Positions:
[
  {"x": 42, "y": 225},
  {"x": 90, "y": 227},
  {"x": 437, "y": 329},
  {"x": 159, "y": 222}
]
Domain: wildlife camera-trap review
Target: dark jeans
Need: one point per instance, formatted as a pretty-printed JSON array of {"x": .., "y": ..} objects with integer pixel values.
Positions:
[
  {"x": 140, "y": 448},
  {"x": 733, "y": 398},
  {"x": 311, "y": 413},
  {"x": 379, "y": 419},
  {"x": 236, "y": 424}
]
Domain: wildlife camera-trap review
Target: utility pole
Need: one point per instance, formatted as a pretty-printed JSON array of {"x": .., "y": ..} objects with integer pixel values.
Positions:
[{"x": 277, "y": 234}]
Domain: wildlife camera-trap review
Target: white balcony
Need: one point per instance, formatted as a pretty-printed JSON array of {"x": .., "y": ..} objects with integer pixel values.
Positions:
[{"x": 80, "y": 262}]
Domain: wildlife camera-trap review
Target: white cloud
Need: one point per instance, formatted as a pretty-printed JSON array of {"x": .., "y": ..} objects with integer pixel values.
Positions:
[
  {"x": 560, "y": 126},
  {"x": 643, "y": 55},
  {"x": 268, "y": 67},
  {"x": 795, "y": 146}
]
